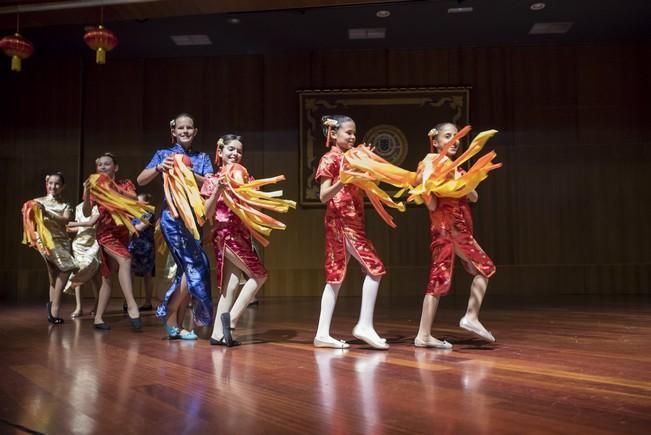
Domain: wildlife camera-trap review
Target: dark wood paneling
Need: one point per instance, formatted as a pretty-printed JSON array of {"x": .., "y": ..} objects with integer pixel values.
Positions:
[
  {"x": 40, "y": 112},
  {"x": 567, "y": 213}
]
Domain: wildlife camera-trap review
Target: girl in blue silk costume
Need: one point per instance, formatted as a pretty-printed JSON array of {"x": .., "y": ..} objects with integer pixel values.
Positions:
[{"x": 193, "y": 271}]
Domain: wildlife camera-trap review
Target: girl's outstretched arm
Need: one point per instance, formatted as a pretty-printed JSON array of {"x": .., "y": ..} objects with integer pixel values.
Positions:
[
  {"x": 89, "y": 223},
  {"x": 87, "y": 208},
  {"x": 64, "y": 218},
  {"x": 147, "y": 175},
  {"x": 433, "y": 203},
  {"x": 200, "y": 179},
  {"x": 211, "y": 202},
  {"x": 329, "y": 189}
]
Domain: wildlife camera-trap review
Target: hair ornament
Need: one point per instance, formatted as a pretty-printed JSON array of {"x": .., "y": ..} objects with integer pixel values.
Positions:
[
  {"x": 330, "y": 123},
  {"x": 432, "y": 134},
  {"x": 218, "y": 148}
]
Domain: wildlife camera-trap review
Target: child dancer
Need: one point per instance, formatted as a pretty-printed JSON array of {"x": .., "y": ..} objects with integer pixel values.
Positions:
[
  {"x": 113, "y": 240},
  {"x": 345, "y": 236},
  {"x": 143, "y": 252},
  {"x": 193, "y": 273},
  {"x": 451, "y": 233},
  {"x": 233, "y": 247},
  {"x": 58, "y": 258},
  {"x": 86, "y": 252}
]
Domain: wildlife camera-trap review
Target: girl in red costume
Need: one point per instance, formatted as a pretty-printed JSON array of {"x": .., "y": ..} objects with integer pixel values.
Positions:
[
  {"x": 234, "y": 253},
  {"x": 451, "y": 233},
  {"x": 114, "y": 242},
  {"x": 345, "y": 236}
]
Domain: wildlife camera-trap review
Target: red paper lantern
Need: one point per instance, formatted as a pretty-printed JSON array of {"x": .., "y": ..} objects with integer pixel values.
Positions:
[
  {"x": 101, "y": 40},
  {"x": 18, "y": 48}
]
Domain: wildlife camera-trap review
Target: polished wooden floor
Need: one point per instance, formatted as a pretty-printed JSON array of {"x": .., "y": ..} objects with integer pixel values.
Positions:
[{"x": 578, "y": 368}]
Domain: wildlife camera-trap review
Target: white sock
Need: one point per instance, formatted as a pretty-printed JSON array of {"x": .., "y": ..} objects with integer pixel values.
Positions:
[
  {"x": 328, "y": 301},
  {"x": 232, "y": 282},
  {"x": 247, "y": 293},
  {"x": 369, "y": 295}
]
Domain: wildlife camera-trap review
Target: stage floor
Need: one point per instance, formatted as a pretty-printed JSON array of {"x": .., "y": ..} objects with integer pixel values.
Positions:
[{"x": 554, "y": 369}]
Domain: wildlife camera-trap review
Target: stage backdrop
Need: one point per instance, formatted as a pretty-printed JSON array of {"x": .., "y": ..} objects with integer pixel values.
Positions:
[
  {"x": 394, "y": 121},
  {"x": 568, "y": 212}
]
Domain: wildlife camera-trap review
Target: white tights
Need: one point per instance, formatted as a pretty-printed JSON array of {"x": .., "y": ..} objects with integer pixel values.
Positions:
[{"x": 329, "y": 299}]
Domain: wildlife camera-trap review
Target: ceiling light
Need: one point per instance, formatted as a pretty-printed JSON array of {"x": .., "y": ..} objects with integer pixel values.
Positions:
[
  {"x": 537, "y": 6},
  {"x": 373, "y": 33},
  {"x": 459, "y": 10},
  {"x": 550, "y": 28},
  {"x": 233, "y": 20},
  {"x": 187, "y": 40},
  {"x": 383, "y": 13}
]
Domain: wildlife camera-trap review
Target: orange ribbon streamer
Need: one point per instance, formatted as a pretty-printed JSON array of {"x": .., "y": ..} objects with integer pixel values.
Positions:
[
  {"x": 245, "y": 199},
  {"x": 183, "y": 195},
  {"x": 365, "y": 169},
  {"x": 123, "y": 206},
  {"x": 35, "y": 234},
  {"x": 438, "y": 171}
]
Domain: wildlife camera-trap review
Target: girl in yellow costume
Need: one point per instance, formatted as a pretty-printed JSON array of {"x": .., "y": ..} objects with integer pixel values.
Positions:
[
  {"x": 85, "y": 249},
  {"x": 52, "y": 241}
]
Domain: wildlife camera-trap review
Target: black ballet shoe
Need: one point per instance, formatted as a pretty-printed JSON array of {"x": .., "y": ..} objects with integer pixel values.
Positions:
[
  {"x": 136, "y": 324},
  {"x": 50, "y": 317},
  {"x": 226, "y": 327},
  {"x": 219, "y": 342},
  {"x": 102, "y": 326},
  {"x": 222, "y": 342}
]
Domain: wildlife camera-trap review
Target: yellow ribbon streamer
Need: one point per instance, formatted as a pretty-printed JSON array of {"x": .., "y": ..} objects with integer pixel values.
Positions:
[
  {"x": 122, "y": 206},
  {"x": 244, "y": 199},
  {"x": 183, "y": 196},
  {"x": 438, "y": 173},
  {"x": 35, "y": 234}
]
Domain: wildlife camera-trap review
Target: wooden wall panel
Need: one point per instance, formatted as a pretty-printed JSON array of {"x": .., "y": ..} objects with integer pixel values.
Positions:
[
  {"x": 300, "y": 273},
  {"x": 113, "y": 116},
  {"x": 334, "y": 69},
  {"x": 566, "y": 214},
  {"x": 113, "y": 122},
  {"x": 40, "y": 111}
]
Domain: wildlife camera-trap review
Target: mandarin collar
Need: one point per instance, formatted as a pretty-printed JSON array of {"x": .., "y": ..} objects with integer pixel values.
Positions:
[{"x": 178, "y": 147}]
